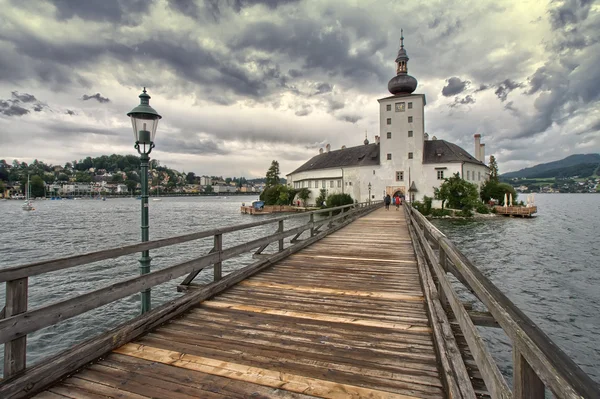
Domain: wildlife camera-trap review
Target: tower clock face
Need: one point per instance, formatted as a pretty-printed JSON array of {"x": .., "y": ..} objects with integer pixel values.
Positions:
[{"x": 399, "y": 107}]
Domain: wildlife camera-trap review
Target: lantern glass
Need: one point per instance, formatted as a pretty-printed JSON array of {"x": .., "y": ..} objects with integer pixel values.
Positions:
[{"x": 144, "y": 122}]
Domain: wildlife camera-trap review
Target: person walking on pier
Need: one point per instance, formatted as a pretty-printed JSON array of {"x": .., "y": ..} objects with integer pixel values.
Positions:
[
  {"x": 397, "y": 201},
  {"x": 387, "y": 201}
]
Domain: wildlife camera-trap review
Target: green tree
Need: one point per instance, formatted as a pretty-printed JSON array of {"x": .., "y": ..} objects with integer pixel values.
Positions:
[
  {"x": 38, "y": 187},
  {"x": 131, "y": 185},
  {"x": 63, "y": 177},
  {"x": 493, "y": 168},
  {"x": 457, "y": 193},
  {"x": 321, "y": 198},
  {"x": 208, "y": 189},
  {"x": 2, "y": 188},
  {"x": 493, "y": 190},
  {"x": 304, "y": 194},
  {"x": 117, "y": 178},
  {"x": 191, "y": 178},
  {"x": 49, "y": 178},
  {"x": 272, "y": 178},
  {"x": 83, "y": 177}
]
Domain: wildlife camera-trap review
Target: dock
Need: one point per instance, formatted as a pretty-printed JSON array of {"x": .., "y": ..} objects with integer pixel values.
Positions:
[
  {"x": 268, "y": 209},
  {"x": 357, "y": 305},
  {"x": 521, "y": 211}
]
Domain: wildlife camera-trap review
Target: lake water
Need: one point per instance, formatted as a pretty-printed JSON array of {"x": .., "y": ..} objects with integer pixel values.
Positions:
[{"x": 548, "y": 265}]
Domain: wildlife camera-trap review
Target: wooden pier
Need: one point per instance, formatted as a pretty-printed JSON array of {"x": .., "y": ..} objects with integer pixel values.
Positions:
[
  {"x": 521, "y": 211},
  {"x": 357, "y": 306}
]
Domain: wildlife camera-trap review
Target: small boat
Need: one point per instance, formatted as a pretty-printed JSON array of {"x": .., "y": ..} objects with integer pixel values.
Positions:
[{"x": 28, "y": 205}]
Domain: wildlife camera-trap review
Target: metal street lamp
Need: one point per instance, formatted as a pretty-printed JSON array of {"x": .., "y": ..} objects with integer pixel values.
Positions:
[
  {"x": 144, "y": 120},
  {"x": 369, "y": 193}
]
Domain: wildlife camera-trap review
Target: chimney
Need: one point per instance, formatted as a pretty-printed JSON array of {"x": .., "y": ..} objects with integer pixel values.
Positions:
[
  {"x": 482, "y": 152},
  {"x": 426, "y": 136},
  {"x": 434, "y": 138},
  {"x": 321, "y": 150},
  {"x": 328, "y": 147},
  {"x": 343, "y": 147},
  {"x": 376, "y": 139},
  {"x": 477, "y": 146}
]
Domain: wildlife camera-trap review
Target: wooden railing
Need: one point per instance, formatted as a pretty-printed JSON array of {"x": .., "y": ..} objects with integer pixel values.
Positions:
[
  {"x": 20, "y": 381},
  {"x": 538, "y": 363}
]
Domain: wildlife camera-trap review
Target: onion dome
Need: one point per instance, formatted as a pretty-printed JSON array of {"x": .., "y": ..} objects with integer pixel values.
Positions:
[{"x": 402, "y": 83}]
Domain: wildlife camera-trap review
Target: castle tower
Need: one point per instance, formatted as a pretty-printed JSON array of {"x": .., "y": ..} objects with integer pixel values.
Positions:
[{"x": 402, "y": 128}]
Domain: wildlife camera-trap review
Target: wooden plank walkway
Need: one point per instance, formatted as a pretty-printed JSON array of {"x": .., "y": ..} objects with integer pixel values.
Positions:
[{"x": 343, "y": 318}]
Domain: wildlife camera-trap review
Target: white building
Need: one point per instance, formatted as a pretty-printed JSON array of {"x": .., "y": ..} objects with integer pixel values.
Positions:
[
  {"x": 401, "y": 161},
  {"x": 205, "y": 181},
  {"x": 219, "y": 189}
]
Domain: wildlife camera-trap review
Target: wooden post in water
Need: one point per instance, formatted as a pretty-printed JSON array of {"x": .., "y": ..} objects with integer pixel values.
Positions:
[
  {"x": 15, "y": 351},
  {"x": 526, "y": 383},
  {"x": 218, "y": 265},
  {"x": 280, "y": 230}
]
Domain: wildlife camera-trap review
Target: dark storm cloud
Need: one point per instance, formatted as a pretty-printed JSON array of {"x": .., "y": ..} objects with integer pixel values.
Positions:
[
  {"x": 97, "y": 97},
  {"x": 324, "y": 51},
  {"x": 334, "y": 105},
  {"x": 462, "y": 101},
  {"x": 569, "y": 12},
  {"x": 38, "y": 107},
  {"x": 294, "y": 73},
  {"x": 70, "y": 112},
  {"x": 482, "y": 87},
  {"x": 323, "y": 88},
  {"x": 350, "y": 118},
  {"x": 454, "y": 87},
  {"x": 215, "y": 8},
  {"x": 306, "y": 110},
  {"x": 505, "y": 87},
  {"x": 11, "y": 108},
  {"x": 120, "y": 11},
  {"x": 26, "y": 98},
  {"x": 509, "y": 107}
]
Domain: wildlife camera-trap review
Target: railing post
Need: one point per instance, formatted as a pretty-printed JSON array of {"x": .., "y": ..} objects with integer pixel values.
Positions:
[
  {"x": 15, "y": 351},
  {"x": 219, "y": 249},
  {"x": 312, "y": 220},
  {"x": 442, "y": 260},
  {"x": 280, "y": 230},
  {"x": 526, "y": 383},
  {"x": 330, "y": 222}
]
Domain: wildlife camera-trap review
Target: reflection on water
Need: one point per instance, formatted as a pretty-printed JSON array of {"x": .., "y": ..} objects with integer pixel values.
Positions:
[{"x": 549, "y": 266}]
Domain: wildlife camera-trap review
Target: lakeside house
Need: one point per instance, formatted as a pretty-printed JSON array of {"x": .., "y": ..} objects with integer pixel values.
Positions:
[{"x": 402, "y": 160}]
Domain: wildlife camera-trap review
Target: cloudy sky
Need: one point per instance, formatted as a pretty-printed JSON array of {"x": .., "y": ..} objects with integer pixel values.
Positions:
[{"x": 242, "y": 82}]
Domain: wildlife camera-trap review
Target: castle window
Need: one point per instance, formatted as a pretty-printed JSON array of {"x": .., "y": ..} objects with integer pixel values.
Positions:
[
  {"x": 389, "y": 121},
  {"x": 400, "y": 176},
  {"x": 323, "y": 184},
  {"x": 389, "y": 135},
  {"x": 479, "y": 176},
  {"x": 330, "y": 183},
  {"x": 339, "y": 183},
  {"x": 468, "y": 175},
  {"x": 388, "y": 107},
  {"x": 440, "y": 175},
  {"x": 410, "y": 119},
  {"x": 410, "y": 155},
  {"x": 409, "y": 105},
  {"x": 309, "y": 184},
  {"x": 410, "y": 133},
  {"x": 389, "y": 157},
  {"x": 373, "y": 171}
]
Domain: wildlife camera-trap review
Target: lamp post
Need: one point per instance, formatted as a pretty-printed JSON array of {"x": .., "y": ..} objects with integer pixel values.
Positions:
[
  {"x": 144, "y": 120},
  {"x": 369, "y": 193}
]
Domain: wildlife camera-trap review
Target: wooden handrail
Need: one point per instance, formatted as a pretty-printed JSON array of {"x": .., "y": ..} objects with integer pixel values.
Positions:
[
  {"x": 537, "y": 356},
  {"x": 20, "y": 321},
  {"x": 34, "y": 269}
]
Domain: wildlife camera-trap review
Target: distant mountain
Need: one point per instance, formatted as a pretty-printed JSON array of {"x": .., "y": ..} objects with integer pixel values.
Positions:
[{"x": 582, "y": 165}]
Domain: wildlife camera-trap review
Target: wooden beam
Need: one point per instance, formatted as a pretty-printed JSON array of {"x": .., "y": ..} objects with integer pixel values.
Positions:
[
  {"x": 15, "y": 351},
  {"x": 526, "y": 384},
  {"x": 217, "y": 269}
]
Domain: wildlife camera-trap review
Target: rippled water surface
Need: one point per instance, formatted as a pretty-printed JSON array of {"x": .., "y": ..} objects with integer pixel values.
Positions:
[{"x": 549, "y": 266}]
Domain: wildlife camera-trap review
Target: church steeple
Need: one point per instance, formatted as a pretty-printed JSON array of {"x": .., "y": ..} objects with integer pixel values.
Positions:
[
  {"x": 366, "y": 139},
  {"x": 402, "y": 83}
]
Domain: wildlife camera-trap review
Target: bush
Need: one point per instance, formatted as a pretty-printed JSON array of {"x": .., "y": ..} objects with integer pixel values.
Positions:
[
  {"x": 321, "y": 198},
  {"x": 482, "y": 208},
  {"x": 493, "y": 190},
  {"x": 278, "y": 195},
  {"x": 338, "y": 200},
  {"x": 440, "y": 212},
  {"x": 465, "y": 213}
]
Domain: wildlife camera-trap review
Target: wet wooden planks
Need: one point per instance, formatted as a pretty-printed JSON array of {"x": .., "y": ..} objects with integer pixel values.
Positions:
[{"x": 342, "y": 318}]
